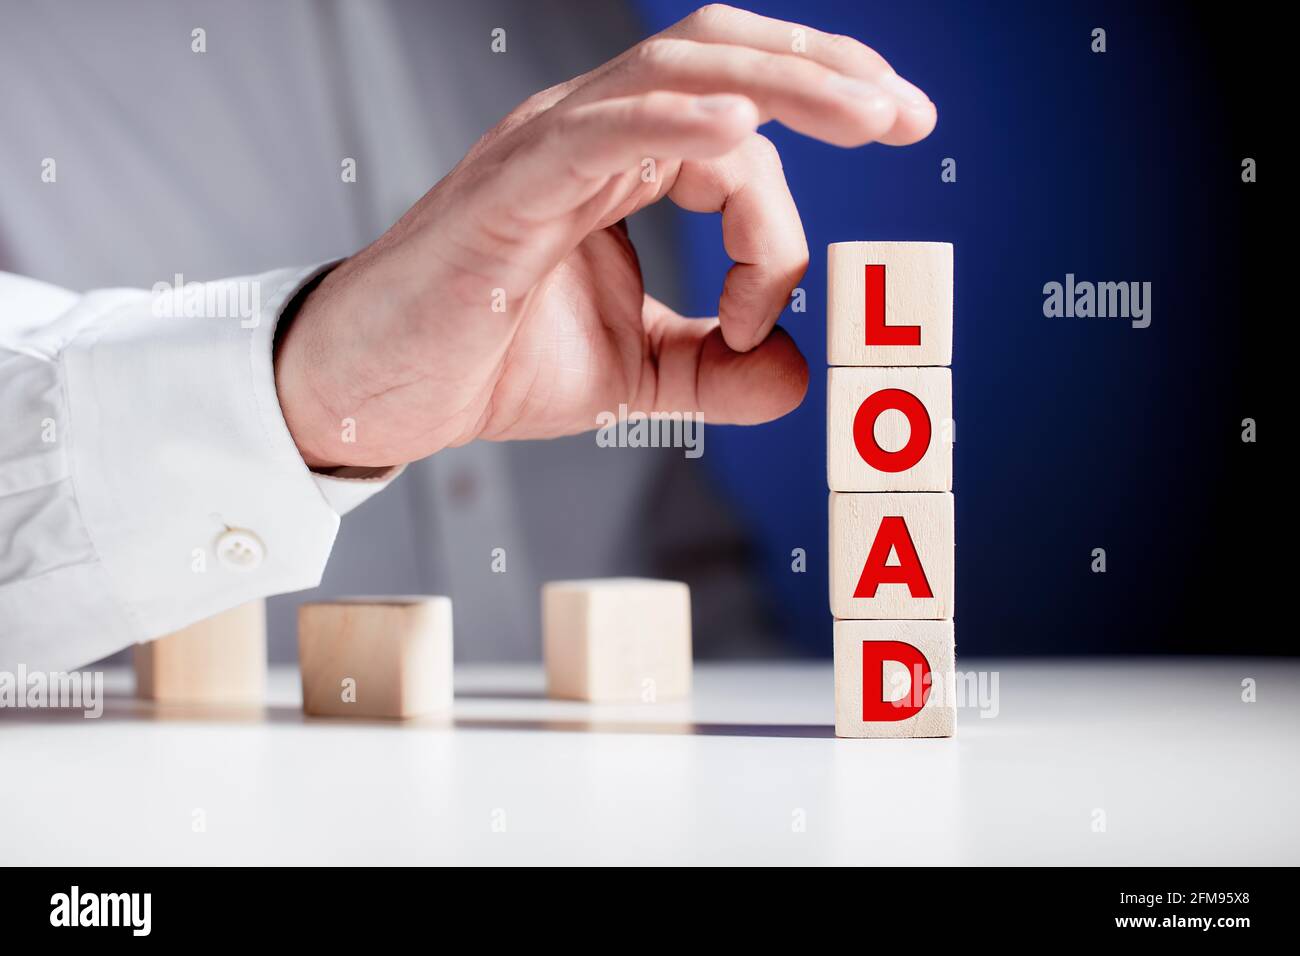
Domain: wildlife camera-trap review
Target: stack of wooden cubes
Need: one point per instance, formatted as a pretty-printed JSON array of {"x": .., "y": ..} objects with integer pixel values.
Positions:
[{"x": 889, "y": 467}]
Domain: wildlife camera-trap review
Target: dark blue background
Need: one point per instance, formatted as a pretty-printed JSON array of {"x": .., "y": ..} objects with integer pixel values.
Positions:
[{"x": 1072, "y": 433}]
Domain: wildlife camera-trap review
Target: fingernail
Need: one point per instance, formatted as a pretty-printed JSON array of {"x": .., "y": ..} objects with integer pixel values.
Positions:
[
  {"x": 852, "y": 87},
  {"x": 718, "y": 103},
  {"x": 895, "y": 85}
]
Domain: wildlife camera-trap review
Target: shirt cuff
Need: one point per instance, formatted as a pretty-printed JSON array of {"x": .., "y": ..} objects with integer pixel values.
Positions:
[
  {"x": 345, "y": 488},
  {"x": 192, "y": 492}
]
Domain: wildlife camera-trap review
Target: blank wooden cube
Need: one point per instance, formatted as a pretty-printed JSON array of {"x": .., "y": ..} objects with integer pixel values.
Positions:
[
  {"x": 895, "y": 679},
  {"x": 218, "y": 660},
  {"x": 892, "y": 555},
  {"x": 889, "y": 429},
  {"x": 889, "y": 303},
  {"x": 617, "y": 639},
  {"x": 376, "y": 656}
]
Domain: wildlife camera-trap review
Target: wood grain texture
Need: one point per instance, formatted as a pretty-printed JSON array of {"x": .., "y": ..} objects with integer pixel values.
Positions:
[
  {"x": 218, "y": 660},
  {"x": 935, "y": 640},
  {"x": 848, "y": 388},
  {"x": 855, "y": 520},
  {"x": 918, "y": 291},
  {"x": 376, "y": 656},
  {"x": 617, "y": 639}
]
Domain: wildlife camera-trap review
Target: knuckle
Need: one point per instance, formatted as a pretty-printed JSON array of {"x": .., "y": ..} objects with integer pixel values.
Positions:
[
  {"x": 659, "y": 52},
  {"x": 849, "y": 48},
  {"x": 659, "y": 104},
  {"x": 842, "y": 43},
  {"x": 534, "y": 108},
  {"x": 529, "y": 108},
  {"x": 792, "y": 72},
  {"x": 537, "y": 102},
  {"x": 714, "y": 16}
]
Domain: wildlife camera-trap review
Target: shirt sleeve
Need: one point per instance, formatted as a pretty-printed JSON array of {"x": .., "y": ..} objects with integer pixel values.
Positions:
[{"x": 147, "y": 477}]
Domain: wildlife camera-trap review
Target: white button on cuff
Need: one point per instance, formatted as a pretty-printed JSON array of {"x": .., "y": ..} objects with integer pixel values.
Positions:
[{"x": 240, "y": 550}]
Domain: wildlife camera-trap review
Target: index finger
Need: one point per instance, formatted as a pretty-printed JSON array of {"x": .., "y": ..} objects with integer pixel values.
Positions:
[{"x": 720, "y": 23}]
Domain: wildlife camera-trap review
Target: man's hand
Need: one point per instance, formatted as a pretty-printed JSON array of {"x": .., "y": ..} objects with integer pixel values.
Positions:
[{"x": 508, "y": 303}]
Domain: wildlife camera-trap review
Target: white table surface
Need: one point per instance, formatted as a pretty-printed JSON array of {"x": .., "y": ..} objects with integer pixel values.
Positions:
[{"x": 1184, "y": 771}]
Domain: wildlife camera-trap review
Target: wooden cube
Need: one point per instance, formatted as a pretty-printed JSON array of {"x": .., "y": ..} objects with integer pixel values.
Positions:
[
  {"x": 889, "y": 429},
  {"x": 218, "y": 660},
  {"x": 895, "y": 679},
  {"x": 892, "y": 556},
  {"x": 617, "y": 639},
  {"x": 376, "y": 656},
  {"x": 889, "y": 303}
]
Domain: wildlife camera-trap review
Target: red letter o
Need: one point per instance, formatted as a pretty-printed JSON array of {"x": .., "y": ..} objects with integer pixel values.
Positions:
[{"x": 864, "y": 430}]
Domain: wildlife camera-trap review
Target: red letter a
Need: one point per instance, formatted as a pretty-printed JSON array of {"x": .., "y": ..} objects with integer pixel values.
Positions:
[
  {"x": 874, "y": 656},
  {"x": 893, "y": 536}
]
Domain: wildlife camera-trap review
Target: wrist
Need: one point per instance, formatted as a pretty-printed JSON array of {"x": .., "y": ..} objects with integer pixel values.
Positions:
[{"x": 310, "y": 422}]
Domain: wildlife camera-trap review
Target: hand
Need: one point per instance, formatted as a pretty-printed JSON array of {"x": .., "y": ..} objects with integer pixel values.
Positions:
[{"x": 508, "y": 303}]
